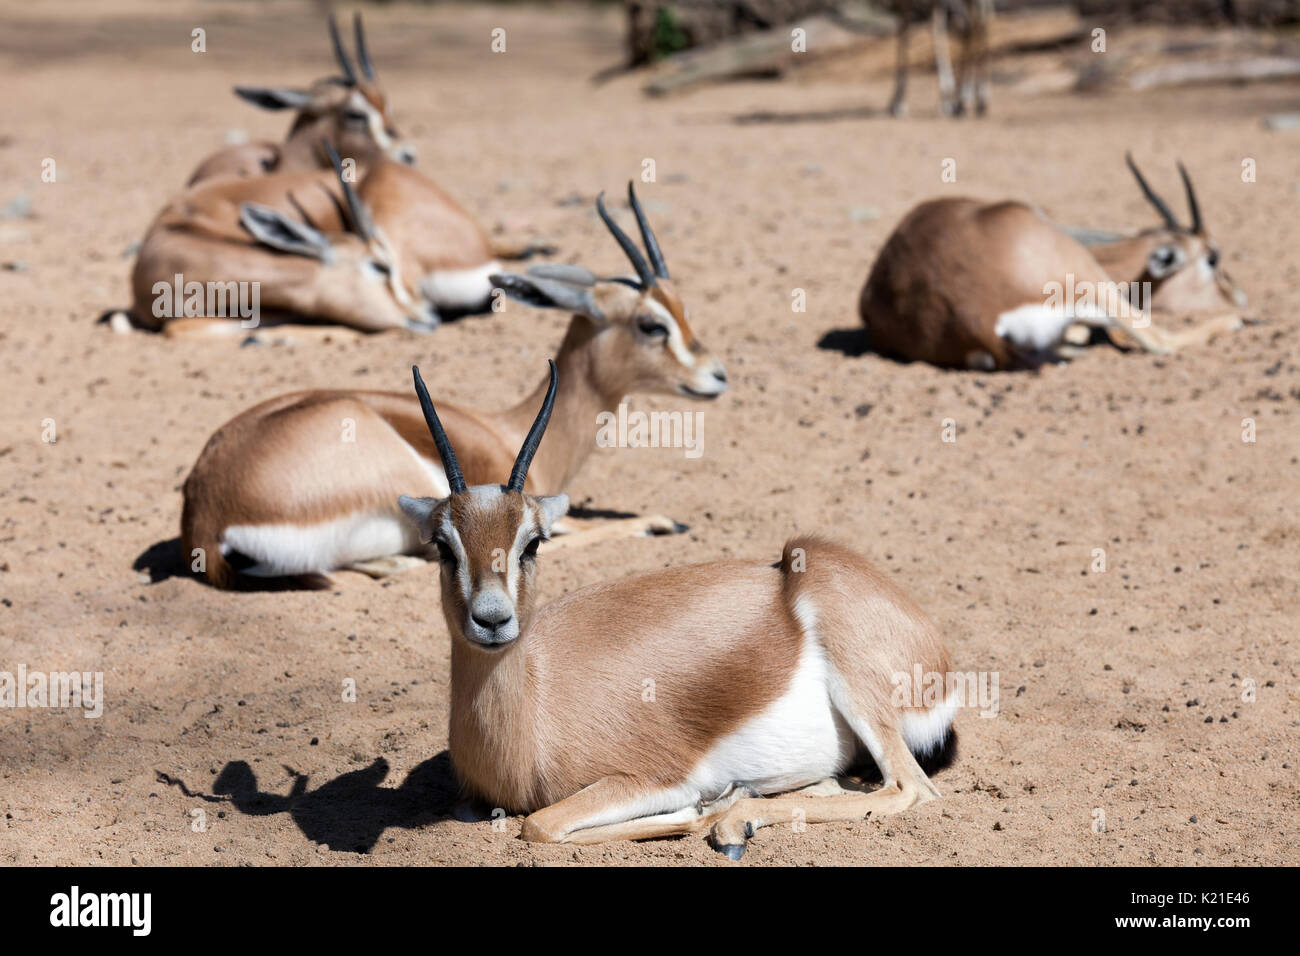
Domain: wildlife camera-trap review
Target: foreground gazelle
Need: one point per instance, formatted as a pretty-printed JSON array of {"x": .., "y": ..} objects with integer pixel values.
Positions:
[
  {"x": 766, "y": 678},
  {"x": 307, "y": 483},
  {"x": 968, "y": 284},
  {"x": 350, "y": 111},
  {"x": 226, "y": 236}
]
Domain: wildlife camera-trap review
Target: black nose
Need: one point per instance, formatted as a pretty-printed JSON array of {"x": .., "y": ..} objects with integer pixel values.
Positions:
[
  {"x": 486, "y": 624},
  {"x": 720, "y": 375}
]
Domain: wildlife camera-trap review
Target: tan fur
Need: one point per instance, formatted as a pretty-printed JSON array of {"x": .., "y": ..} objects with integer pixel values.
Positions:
[
  {"x": 554, "y": 722},
  {"x": 198, "y": 235},
  {"x": 953, "y": 266},
  {"x": 283, "y": 461},
  {"x": 323, "y": 117},
  {"x": 420, "y": 230}
]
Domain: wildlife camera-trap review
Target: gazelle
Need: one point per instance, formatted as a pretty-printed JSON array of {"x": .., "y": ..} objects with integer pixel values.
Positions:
[
  {"x": 967, "y": 284},
  {"x": 350, "y": 111},
  {"x": 766, "y": 678},
  {"x": 970, "y": 89},
  {"x": 280, "y": 487},
  {"x": 221, "y": 235}
]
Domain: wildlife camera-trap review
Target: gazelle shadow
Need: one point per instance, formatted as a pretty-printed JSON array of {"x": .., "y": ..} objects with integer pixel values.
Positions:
[
  {"x": 851, "y": 342},
  {"x": 165, "y": 559},
  {"x": 351, "y": 812},
  {"x": 836, "y": 115}
]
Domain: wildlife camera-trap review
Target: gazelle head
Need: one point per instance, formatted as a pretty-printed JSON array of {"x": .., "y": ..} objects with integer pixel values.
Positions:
[
  {"x": 350, "y": 110},
  {"x": 644, "y": 341},
  {"x": 361, "y": 271},
  {"x": 1184, "y": 264},
  {"x": 486, "y": 536}
]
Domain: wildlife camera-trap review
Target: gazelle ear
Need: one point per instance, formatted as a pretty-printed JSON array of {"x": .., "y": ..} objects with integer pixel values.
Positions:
[
  {"x": 273, "y": 97},
  {"x": 419, "y": 511},
  {"x": 554, "y": 507},
  {"x": 563, "y": 272},
  {"x": 274, "y": 229},
  {"x": 548, "y": 293}
]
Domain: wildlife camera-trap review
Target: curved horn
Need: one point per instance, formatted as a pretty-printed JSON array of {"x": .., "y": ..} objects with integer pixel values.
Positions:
[
  {"x": 363, "y": 55},
  {"x": 647, "y": 234},
  {"x": 455, "y": 480},
  {"x": 519, "y": 473},
  {"x": 356, "y": 209},
  {"x": 340, "y": 54},
  {"x": 629, "y": 247},
  {"x": 1191, "y": 199},
  {"x": 1170, "y": 219}
]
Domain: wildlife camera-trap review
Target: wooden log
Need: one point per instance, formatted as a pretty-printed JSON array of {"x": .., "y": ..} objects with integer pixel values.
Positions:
[
  {"x": 1231, "y": 71},
  {"x": 769, "y": 53}
]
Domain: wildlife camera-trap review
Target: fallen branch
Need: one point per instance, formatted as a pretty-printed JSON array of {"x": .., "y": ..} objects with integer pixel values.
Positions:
[{"x": 1232, "y": 71}]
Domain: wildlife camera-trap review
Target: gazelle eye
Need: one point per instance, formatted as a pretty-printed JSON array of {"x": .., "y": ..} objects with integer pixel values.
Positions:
[
  {"x": 1212, "y": 258},
  {"x": 530, "y": 549},
  {"x": 356, "y": 117},
  {"x": 650, "y": 327},
  {"x": 445, "y": 554}
]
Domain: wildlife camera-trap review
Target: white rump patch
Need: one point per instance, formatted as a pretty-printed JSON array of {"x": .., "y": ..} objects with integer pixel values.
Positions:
[
  {"x": 460, "y": 288},
  {"x": 282, "y": 549},
  {"x": 924, "y": 732}
]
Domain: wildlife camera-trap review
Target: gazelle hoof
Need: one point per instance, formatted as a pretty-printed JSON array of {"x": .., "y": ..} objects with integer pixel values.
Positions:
[
  {"x": 732, "y": 851},
  {"x": 659, "y": 526}
]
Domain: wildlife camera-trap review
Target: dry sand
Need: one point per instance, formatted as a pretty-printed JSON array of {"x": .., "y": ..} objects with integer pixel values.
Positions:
[{"x": 1121, "y": 690}]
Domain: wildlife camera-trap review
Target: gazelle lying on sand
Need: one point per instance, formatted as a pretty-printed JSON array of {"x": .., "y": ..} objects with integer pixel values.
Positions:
[
  {"x": 440, "y": 240},
  {"x": 350, "y": 111},
  {"x": 767, "y": 678},
  {"x": 438, "y": 247},
  {"x": 279, "y": 486},
  {"x": 225, "y": 234},
  {"x": 967, "y": 284},
  {"x": 970, "y": 89}
]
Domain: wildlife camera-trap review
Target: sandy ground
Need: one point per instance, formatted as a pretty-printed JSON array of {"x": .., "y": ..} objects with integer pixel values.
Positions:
[{"x": 1121, "y": 691}]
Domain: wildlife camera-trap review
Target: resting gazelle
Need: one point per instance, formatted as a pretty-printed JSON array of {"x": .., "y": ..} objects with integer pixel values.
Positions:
[
  {"x": 968, "y": 284},
  {"x": 228, "y": 235},
  {"x": 767, "y": 678},
  {"x": 350, "y": 111},
  {"x": 280, "y": 490}
]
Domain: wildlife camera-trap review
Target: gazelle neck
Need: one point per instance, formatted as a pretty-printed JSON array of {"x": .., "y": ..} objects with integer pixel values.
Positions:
[
  {"x": 491, "y": 720},
  {"x": 581, "y": 395},
  {"x": 299, "y": 149}
]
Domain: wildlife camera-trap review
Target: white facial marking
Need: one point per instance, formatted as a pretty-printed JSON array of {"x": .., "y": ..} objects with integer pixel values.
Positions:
[
  {"x": 374, "y": 119},
  {"x": 676, "y": 345},
  {"x": 527, "y": 528}
]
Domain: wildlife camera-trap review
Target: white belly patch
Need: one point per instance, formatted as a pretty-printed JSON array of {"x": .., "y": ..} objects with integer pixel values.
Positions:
[
  {"x": 799, "y": 739},
  {"x": 460, "y": 288},
  {"x": 281, "y": 549}
]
